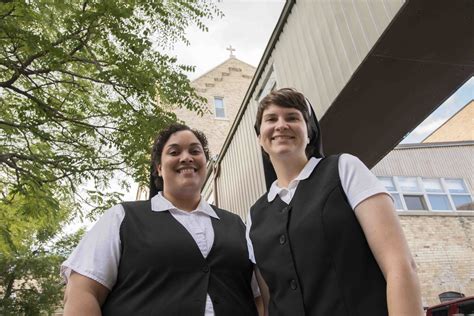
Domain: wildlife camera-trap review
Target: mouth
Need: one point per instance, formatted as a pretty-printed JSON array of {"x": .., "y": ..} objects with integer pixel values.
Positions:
[
  {"x": 282, "y": 137},
  {"x": 187, "y": 170}
]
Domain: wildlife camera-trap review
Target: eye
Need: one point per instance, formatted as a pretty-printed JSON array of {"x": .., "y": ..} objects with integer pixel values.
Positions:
[
  {"x": 195, "y": 150},
  {"x": 270, "y": 119},
  {"x": 173, "y": 152}
]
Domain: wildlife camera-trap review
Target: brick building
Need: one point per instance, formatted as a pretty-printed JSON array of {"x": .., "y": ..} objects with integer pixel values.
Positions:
[
  {"x": 432, "y": 185},
  {"x": 224, "y": 87}
]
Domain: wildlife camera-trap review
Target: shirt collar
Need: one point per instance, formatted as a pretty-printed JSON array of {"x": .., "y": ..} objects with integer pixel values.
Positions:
[
  {"x": 303, "y": 175},
  {"x": 160, "y": 204}
]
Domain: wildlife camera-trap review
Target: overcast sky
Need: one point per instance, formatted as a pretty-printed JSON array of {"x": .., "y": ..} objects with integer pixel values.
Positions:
[{"x": 247, "y": 25}]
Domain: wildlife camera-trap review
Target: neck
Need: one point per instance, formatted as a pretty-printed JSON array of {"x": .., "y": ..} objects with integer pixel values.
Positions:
[
  {"x": 288, "y": 169},
  {"x": 182, "y": 200}
]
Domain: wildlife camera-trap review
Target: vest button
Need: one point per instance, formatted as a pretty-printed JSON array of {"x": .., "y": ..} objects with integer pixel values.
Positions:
[
  {"x": 282, "y": 239},
  {"x": 293, "y": 284},
  {"x": 205, "y": 269}
]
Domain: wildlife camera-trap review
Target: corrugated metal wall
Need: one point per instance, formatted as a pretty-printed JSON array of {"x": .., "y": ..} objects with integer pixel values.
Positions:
[
  {"x": 320, "y": 47},
  {"x": 450, "y": 161},
  {"x": 241, "y": 180},
  {"x": 324, "y": 42}
]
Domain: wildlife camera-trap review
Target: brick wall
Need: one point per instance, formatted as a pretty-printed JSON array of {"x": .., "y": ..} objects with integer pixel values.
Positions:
[
  {"x": 230, "y": 80},
  {"x": 442, "y": 247},
  {"x": 442, "y": 244}
]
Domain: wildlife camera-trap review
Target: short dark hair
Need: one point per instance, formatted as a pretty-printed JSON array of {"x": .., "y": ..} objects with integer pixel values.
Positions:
[
  {"x": 160, "y": 142},
  {"x": 286, "y": 98}
]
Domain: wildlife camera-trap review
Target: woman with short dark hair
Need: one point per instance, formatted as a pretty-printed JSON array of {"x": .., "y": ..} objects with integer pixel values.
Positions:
[{"x": 325, "y": 238}]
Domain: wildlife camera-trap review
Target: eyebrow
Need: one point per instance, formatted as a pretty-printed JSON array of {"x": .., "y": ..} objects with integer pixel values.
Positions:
[
  {"x": 269, "y": 114},
  {"x": 190, "y": 145},
  {"x": 295, "y": 112}
]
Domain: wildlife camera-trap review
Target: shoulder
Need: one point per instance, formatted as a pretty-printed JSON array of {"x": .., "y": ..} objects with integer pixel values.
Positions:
[
  {"x": 131, "y": 205},
  {"x": 113, "y": 215},
  {"x": 261, "y": 202},
  {"x": 328, "y": 163},
  {"x": 350, "y": 166},
  {"x": 348, "y": 160},
  {"x": 135, "y": 209},
  {"x": 358, "y": 182},
  {"x": 225, "y": 214}
]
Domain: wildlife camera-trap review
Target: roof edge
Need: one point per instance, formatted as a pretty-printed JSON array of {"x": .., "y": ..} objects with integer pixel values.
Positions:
[
  {"x": 449, "y": 119},
  {"x": 222, "y": 63},
  {"x": 432, "y": 145}
]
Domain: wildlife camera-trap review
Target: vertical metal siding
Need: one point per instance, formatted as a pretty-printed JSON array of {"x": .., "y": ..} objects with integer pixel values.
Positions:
[
  {"x": 323, "y": 43},
  {"x": 241, "y": 180},
  {"x": 320, "y": 47}
]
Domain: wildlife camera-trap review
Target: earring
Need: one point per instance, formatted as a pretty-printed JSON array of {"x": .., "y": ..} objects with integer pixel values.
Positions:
[{"x": 308, "y": 140}]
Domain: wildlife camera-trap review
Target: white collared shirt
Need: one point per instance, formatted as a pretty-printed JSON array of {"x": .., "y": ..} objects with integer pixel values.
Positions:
[
  {"x": 98, "y": 254},
  {"x": 357, "y": 181},
  {"x": 286, "y": 194}
]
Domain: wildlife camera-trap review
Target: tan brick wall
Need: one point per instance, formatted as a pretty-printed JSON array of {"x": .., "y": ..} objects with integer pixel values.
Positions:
[
  {"x": 460, "y": 127},
  {"x": 230, "y": 80},
  {"x": 442, "y": 247}
]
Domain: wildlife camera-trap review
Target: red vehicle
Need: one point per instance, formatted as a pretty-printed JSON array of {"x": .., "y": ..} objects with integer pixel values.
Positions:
[{"x": 458, "y": 307}]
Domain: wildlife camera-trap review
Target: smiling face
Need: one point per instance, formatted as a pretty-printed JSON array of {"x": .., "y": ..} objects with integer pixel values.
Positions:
[
  {"x": 283, "y": 132},
  {"x": 183, "y": 164}
]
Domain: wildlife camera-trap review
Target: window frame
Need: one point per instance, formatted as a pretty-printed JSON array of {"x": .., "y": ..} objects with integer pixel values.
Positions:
[
  {"x": 396, "y": 180},
  {"x": 223, "y": 108}
]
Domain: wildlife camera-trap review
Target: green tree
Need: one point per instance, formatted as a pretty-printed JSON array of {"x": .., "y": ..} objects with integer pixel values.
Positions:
[
  {"x": 79, "y": 83},
  {"x": 32, "y": 248}
]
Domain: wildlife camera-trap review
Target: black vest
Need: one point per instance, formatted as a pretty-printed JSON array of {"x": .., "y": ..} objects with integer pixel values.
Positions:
[
  {"x": 162, "y": 270},
  {"x": 313, "y": 253}
]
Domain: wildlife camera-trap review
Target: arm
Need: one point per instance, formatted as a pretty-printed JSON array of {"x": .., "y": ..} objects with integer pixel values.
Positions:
[
  {"x": 98, "y": 254},
  {"x": 265, "y": 298},
  {"x": 259, "y": 304},
  {"x": 385, "y": 237},
  {"x": 83, "y": 296}
]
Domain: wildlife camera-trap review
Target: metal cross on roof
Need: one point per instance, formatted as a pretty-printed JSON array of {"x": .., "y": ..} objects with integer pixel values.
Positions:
[{"x": 231, "y": 50}]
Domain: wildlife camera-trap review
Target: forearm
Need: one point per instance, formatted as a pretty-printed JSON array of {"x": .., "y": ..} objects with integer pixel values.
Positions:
[
  {"x": 81, "y": 304},
  {"x": 83, "y": 296},
  {"x": 403, "y": 292}
]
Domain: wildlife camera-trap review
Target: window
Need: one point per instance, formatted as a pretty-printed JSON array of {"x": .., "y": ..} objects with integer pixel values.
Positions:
[
  {"x": 433, "y": 194},
  {"x": 388, "y": 183},
  {"x": 455, "y": 186},
  {"x": 408, "y": 184},
  {"x": 462, "y": 202},
  {"x": 415, "y": 202},
  {"x": 439, "y": 202},
  {"x": 219, "y": 107}
]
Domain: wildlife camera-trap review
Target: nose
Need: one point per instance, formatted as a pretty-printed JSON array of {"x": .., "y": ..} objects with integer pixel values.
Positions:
[
  {"x": 281, "y": 124},
  {"x": 185, "y": 157}
]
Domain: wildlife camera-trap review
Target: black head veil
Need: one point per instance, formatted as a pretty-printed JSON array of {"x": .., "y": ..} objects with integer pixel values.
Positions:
[{"x": 315, "y": 138}]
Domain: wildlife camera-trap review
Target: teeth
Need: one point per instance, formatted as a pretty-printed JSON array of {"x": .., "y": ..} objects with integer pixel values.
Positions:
[{"x": 186, "y": 170}]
